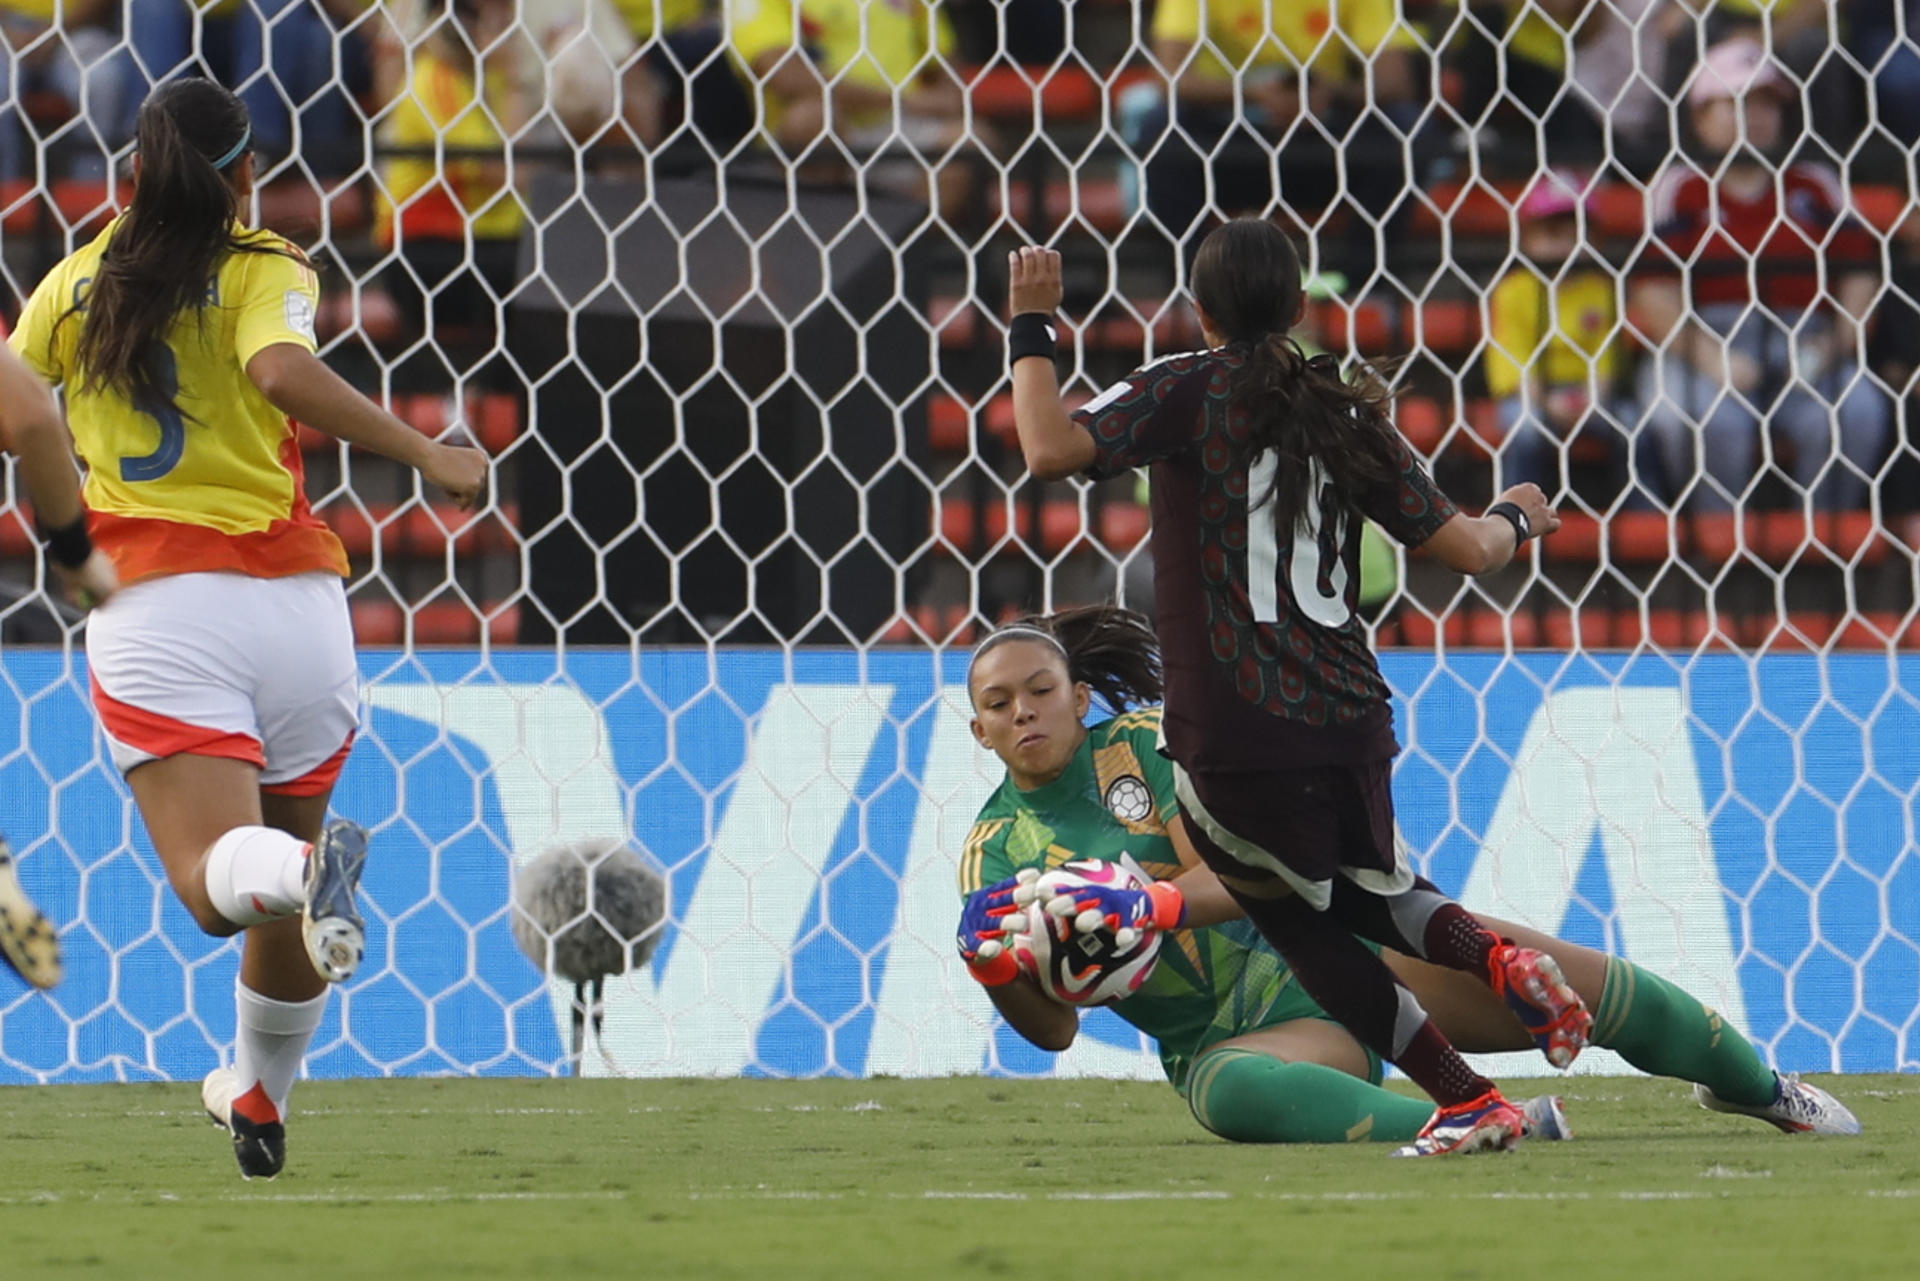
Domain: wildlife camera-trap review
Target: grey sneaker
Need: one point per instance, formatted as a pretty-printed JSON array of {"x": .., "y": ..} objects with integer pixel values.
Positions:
[
  {"x": 1797, "y": 1108},
  {"x": 336, "y": 935},
  {"x": 1546, "y": 1118}
]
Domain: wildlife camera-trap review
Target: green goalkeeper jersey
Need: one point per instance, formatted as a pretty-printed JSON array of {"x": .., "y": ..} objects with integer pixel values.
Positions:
[{"x": 1115, "y": 800}]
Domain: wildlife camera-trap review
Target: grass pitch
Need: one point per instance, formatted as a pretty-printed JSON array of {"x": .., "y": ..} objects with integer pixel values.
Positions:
[{"x": 927, "y": 1179}]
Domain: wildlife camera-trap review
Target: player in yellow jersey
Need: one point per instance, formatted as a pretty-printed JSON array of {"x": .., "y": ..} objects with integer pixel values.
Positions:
[
  {"x": 223, "y": 670},
  {"x": 31, "y": 430}
]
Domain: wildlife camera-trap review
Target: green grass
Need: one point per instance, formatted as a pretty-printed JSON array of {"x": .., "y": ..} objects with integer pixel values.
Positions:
[{"x": 927, "y": 1179}]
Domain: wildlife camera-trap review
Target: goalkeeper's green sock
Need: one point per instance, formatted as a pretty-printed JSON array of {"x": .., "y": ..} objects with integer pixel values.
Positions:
[
  {"x": 1251, "y": 1097},
  {"x": 1662, "y": 1030}
]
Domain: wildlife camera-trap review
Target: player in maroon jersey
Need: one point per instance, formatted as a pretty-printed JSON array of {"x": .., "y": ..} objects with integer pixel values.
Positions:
[{"x": 1276, "y": 716}]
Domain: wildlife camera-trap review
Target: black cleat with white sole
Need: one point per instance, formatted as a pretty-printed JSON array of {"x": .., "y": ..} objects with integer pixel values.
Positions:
[
  {"x": 335, "y": 933},
  {"x": 260, "y": 1147}
]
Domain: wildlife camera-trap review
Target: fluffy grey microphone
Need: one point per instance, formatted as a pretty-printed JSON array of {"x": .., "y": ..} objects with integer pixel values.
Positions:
[{"x": 584, "y": 910}]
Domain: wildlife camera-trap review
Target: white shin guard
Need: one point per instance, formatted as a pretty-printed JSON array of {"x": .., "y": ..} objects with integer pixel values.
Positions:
[{"x": 257, "y": 874}]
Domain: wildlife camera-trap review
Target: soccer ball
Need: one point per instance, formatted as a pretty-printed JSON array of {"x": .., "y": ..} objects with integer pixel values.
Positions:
[{"x": 1076, "y": 968}]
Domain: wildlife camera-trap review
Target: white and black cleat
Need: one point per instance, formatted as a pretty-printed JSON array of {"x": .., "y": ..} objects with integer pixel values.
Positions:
[
  {"x": 259, "y": 1143},
  {"x": 335, "y": 933},
  {"x": 1546, "y": 1118},
  {"x": 1797, "y": 1108}
]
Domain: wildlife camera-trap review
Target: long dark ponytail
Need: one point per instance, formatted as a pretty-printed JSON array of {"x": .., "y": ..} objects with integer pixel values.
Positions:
[
  {"x": 1113, "y": 650},
  {"x": 1247, "y": 278},
  {"x": 192, "y": 136}
]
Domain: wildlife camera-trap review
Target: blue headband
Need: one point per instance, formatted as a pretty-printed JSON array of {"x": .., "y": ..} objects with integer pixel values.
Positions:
[{"x": 239, "y": 148}]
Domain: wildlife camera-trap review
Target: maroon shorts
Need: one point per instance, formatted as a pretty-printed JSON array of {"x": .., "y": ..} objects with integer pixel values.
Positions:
[{"x": 1314, "y": 823}]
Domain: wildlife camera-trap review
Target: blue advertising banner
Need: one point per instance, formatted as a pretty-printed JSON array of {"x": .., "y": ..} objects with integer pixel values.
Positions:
[{"x": 1743, "y": 826}]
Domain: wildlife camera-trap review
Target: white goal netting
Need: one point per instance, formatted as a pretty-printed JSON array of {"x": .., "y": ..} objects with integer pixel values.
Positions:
[{"x": 722, "y": 289}]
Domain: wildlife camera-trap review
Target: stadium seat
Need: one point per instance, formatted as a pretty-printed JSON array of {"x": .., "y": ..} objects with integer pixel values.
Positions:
[
  {"x": 1874, "y": 630},
  {"x": 1480, "y": 209},
  {"x": 422, "y": 531},
  {"x": 1011, "y": 93},
  {"x": 1121, "y": 328},
  {"x": 372, "y": 313},
  {"x": 1420, "y": 630},
  {"x": 950, "y": 422},
  {"x": 441, "y": 622},
  {"x": 16, "y": 534},
  {"x": 1423, "y": 421},
  {"x": 1497, "y": 629},
  {"x": 1099, "y": 203},
  {"x": 1120, "y": 526},
  {"x": 297, "y": 208}
]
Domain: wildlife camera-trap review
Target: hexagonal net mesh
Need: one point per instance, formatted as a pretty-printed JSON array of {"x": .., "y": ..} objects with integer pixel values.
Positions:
[{"x": 721, "y": 287}]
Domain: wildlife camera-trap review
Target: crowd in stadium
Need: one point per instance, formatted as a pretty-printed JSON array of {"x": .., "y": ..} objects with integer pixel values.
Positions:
[{"x": 1682, "y": 305}]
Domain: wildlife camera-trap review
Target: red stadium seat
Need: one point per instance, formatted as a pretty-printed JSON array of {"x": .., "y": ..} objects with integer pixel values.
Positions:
[
  {"x": 1121, "y": 527},
  {"x": 381, "y": 621},
  {"x": 1097, "y": 202},
  {"x": 1003, "y": 92},
  {"x": 1420, "y": 630},
  {"x": 1874, "y": 630}
]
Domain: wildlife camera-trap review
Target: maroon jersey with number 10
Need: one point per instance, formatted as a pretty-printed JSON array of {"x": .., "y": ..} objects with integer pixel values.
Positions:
[{"x": 1266, "y": 659}]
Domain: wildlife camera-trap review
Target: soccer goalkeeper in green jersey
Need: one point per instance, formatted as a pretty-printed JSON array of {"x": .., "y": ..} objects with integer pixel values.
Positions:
[{"x": 1255, "y": 1058}]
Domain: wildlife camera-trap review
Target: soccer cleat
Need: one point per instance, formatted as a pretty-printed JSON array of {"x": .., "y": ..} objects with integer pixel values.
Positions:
[
  {"x": 28, "y": 940},
  {"x": 1536, "y": 991},
  {"x": 1488, "y": 1123},
  {"x": 259, "y": 1137},
  {"x": 335, "y": 933},
  {"x": 1546, "y": 1118},
  {"x": 1797, "y": 1108}
]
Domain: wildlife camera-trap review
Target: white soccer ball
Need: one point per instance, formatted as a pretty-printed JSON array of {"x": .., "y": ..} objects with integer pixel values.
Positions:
[{"x": 1080, "y": 966}]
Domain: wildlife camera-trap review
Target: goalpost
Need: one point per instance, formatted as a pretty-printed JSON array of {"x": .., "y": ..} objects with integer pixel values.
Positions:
[{"x": 757, "y": 492}]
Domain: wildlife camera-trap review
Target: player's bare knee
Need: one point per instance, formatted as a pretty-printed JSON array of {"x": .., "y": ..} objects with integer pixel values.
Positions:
[{"x": 194, "y": 897}]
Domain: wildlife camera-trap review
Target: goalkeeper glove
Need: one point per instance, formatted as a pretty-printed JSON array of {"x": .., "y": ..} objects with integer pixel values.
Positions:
[
  {"x": 1127, "y": 912},
  {"x": 983, "y": 929}
]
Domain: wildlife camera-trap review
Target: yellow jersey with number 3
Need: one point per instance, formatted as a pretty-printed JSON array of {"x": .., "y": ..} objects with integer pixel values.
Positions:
[{"x": 219, "y": 484}]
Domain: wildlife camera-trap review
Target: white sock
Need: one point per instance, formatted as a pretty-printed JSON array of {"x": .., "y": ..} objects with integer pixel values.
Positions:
[
  {"x": 257, "y": 874},
  {"x": 272, "y": 1040}
]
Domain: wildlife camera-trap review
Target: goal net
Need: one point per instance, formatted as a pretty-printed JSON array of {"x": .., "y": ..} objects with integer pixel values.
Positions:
[{"x": 722, "y": 289}]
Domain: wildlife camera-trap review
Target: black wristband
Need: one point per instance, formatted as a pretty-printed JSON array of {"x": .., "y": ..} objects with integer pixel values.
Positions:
[
  {"x": 68, "y": 546},
  {"x": 1031, "y": 334},
  {"x": 1522, "y": 527}
]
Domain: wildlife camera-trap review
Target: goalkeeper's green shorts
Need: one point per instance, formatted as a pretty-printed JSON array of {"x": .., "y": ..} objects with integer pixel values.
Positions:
[{"x": 1287, "y": 1002}]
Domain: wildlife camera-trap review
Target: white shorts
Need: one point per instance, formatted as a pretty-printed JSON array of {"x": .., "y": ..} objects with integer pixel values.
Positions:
[{"x": 256, "y": 669}]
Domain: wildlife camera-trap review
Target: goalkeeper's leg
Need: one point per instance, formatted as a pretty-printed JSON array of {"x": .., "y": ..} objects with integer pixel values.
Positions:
[
  {"x": 1309, "y": 1081},
  {"x": 1303, "y": 1081},
  {"x": 1648, "y": 1021}
]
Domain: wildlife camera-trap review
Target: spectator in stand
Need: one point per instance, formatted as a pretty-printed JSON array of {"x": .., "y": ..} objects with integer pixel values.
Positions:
[
  {"x": 1896, "y": 359},
  {"x": 1885, "y": 37},
  {"x": 1305, "y": 85},
  {"x": 1730, "y": 296},
  {"x": 454, "y": 218},
  {"x": 73, "y": 59},
  {"x": 653, "y": 64},
  {"x": 1583, "y": 79},
  {"x": 278, "y": 55},
  {"x": 1552, "y": 358},
  {"x": 837, "y": 79}
]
